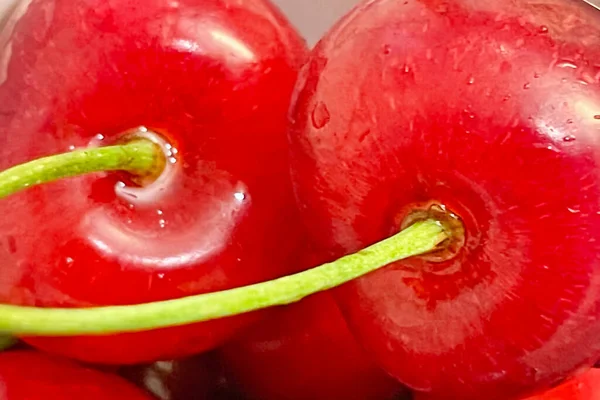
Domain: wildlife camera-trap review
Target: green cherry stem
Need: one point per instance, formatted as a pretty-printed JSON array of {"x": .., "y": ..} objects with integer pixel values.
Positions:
[
  {"x": 139, "y": 157},
  {"x": 419, "y": 238}
]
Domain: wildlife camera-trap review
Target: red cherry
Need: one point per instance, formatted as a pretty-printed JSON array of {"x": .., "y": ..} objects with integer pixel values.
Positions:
[
  {"x": 583, "y": 387},
  {"x": 28, "y": 375},
  {"x": 197, "y": 378},
  {"x": 305, "y": 351},
  {"x": 491, "y": 110},
  {"x": 214, "y": 79}
]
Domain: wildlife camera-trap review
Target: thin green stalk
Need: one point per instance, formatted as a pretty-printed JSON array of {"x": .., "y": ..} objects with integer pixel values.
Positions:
[
  {"x": 419, "y": 238},
  {"x": 140, "y": 157}
]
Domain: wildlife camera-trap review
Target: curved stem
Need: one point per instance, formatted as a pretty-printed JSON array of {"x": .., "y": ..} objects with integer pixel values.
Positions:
[
  {"x": 419, "y": 238},
  {"x": 140, "y": 157}
]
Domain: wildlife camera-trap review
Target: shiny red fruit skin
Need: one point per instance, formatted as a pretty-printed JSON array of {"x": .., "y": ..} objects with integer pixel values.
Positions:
[
  {"x": 583, "y": 387},
  {"x": 305, "y": 351},
  {"x": 493, "y": 110},
  {"x": 214, "y": 77},
  {"x": 29, "y": 375},
  {"x": 200, "y": 377}
]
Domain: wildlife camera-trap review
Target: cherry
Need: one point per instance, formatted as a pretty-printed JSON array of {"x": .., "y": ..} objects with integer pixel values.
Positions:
[
  {"x": 489, "y": 113},
  {"x": 212, "y": 79},
  {"x": 200, "y": 377},
  {"x": 305, "y": 351},
  {"x": 583, "y": 387},
  {"x": 30, "y": 375}
]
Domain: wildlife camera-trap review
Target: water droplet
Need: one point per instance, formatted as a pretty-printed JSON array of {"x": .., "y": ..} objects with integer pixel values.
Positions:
[
  {"x": 160, "y": 275},
  {"x": 71, "y": 147},
  {"x": 387, "y": 49},
  {"x": 159, "y": 212},
  {"x": 99, "y": 137},
  {"x": 506, "y": 98},
  {"x": 569, "y": 121},
  {"x": 543, "y": 29},
  {"x": 131, "y": 206},
  {"x": 406, "y": 68},
  {"x": 597, "y": 116},
  {"x": 239, "y": 196},
  {"x": 320, "y": 115},
  {"x": 69, "y": 260},
  {"x": 536, "y": 75},
  {"x": 162, "y": 223},
  {"x": 573, "y": 210},
  {"x": 566, "y": 64},
  {"x": 471, "y": 80},
  {"x": 569, "y": 138},
  {"x": 526, "y": 85}
]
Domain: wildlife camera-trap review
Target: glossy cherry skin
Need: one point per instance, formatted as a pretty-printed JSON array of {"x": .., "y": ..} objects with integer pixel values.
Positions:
[
  {"x": 29, "y": 375},
  {"x": 583, "y": 387},
  {"x": 491, "y": 109},
  {"x": 305, "y": 351},
  {"x": 214, "y": 79},
  {"x": 200, "y": 377}
]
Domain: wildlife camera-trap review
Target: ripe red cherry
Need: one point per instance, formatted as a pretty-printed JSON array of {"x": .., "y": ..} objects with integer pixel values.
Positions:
[
  {"x": 583, "y": 387},
  {"x": 200, "y": 377},
  {"x": 214, "y": 79},
  {"x": 491, "y": 111},
  {"x": 305, "y": 351},
  {"x": 25, "y": 374}
]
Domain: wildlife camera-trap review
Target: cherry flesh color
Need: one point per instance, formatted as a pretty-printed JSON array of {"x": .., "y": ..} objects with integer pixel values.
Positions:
[
  {"x": 25, "y": 374},
  {"x": 491, "y": 109},
  {"x": 213, "y": 78},
  {"x": 305, "y": 351},
  {"x": 200, "y": 377}
]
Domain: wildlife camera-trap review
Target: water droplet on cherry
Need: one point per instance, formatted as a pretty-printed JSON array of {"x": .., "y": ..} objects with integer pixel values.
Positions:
[
  {"x": 569, "y": 138},
  {"x": 526, "y": 85},
  {"x": 320, "y": 115}
]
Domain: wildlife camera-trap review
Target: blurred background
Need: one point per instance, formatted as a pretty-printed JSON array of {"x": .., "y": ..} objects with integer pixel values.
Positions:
[{"x": 314, "y": 17}]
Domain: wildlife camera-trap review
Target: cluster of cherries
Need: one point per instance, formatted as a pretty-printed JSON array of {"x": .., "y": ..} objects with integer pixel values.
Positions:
[{"x": 174, "y": 169}]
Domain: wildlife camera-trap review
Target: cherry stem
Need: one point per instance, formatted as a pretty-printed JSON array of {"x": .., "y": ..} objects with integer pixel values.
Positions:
[
  {"x": 7, "y": 342},
  {"x": 139, "y": 157},
  {"x": 419, "y": 238}
]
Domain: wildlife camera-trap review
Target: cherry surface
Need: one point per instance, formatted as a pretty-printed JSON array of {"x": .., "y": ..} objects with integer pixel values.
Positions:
[
  {"x": 201, "y": 377},
  {"x": 213, "y": 78},
  {"x": 305, "y": 351},
  {"x": 490, "y": 110},
  {"x": 583, "y": 387},
  {"x": 30, "y": 375}
]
